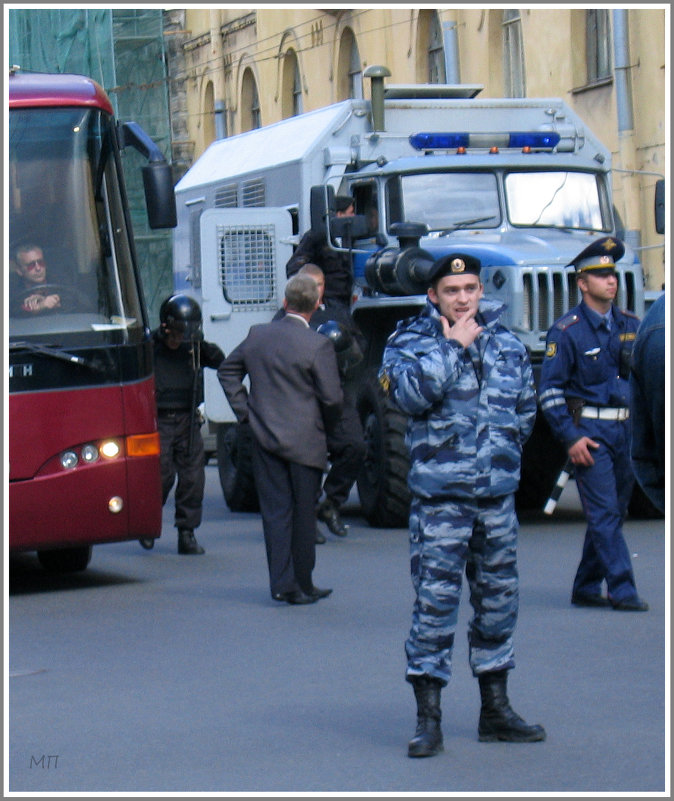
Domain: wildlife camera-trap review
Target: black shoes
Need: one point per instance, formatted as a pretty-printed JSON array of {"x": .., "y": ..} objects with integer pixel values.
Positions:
[
  {"x": 327, "y": 513},
  {"x": 187, "y": 542},
  {"x": 299, "y": 598},
  {"x": 578, "y": 599},
  {"x": 320, "y": 539},
  {"x": 630, "y": 605}
]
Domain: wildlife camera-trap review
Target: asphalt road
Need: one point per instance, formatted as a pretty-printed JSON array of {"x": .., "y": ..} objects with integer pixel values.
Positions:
[{"x": 153, "y": 672}]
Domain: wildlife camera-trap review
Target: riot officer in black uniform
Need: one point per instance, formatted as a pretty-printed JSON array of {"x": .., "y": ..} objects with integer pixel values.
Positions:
[{"x": 180, "y": 354}]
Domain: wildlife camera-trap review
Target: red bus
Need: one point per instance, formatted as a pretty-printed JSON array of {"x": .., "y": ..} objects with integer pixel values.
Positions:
[{"x": 83, "y": 442}]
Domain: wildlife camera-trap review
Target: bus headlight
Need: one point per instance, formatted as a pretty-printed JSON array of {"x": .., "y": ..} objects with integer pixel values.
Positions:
[
  {"x": 68, "y": 460},
  {"x": 110, "y": 449},
  {"x": 89, "y": 453}
]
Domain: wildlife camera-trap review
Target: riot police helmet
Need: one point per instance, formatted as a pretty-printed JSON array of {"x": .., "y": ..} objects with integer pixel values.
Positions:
[
  {"x": 336, "y": 333},
  {"x": 181, "y": 313}
]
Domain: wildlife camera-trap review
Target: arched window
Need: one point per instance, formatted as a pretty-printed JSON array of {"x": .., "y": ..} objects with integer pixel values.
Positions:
[
  {"x": 250, "y": 102},
  {"x": 597, "y": 44},
  {"x": 436, "y": 51},
  {"x": 208, "y": 115},
  {"x": 430, "y": 58},
  {"x": 349, "y": 69},
  {"x": 291, "y": 86},
  {"x": 514, "y": 78}
]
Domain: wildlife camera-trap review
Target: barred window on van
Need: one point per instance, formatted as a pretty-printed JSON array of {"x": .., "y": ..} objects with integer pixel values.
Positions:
[{"x": 246, "y": 257}]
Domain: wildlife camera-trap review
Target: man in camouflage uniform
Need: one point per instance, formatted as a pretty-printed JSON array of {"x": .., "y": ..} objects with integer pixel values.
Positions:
[{"x": 466, "y": 383}]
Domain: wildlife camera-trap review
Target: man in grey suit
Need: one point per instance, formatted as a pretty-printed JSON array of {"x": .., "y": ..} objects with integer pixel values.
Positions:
[{"x": 295, "y": 396}]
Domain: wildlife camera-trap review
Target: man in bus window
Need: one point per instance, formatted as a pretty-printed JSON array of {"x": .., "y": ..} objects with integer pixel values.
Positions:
[{"x": 29, "y": 289}]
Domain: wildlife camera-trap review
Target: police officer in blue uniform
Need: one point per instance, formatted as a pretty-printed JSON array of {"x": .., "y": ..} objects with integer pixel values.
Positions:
[{"x": 584, "y": 394}]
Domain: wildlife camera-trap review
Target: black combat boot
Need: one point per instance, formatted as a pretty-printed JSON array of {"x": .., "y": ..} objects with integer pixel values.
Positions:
[
  {"x": 498, "y": 721},
  {"x": 187, "y": 542},
  {"x": 427, "y": 740},
  {"x": 328, "y": 513}
]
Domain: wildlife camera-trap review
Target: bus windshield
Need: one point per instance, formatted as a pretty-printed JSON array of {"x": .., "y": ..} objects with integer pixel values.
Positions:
[{"x": 70, "y": 269}]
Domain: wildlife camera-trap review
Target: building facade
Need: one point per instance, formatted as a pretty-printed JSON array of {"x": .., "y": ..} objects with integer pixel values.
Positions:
[{"x": 234, "y": 69}]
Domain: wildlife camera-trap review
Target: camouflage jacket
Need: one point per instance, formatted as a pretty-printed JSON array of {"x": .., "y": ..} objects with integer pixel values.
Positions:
[{"x": 469, "y": 416}]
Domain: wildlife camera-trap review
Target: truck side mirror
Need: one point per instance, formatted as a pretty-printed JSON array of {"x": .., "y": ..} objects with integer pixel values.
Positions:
[
  {"x": 660, "y": 206},
  {"x": 321, "y": 204},
  {"x": 350, "y": 228}
]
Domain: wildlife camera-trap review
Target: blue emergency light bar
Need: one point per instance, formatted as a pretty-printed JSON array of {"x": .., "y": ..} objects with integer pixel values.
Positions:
[{"x": 537, "y": 140}]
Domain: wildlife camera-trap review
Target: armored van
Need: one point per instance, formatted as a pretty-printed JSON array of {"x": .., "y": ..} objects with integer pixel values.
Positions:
[{"x": 520, "y": 183}]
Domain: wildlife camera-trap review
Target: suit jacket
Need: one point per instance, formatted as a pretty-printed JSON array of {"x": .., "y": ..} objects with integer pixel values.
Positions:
[{"x": 295, "y": 392}]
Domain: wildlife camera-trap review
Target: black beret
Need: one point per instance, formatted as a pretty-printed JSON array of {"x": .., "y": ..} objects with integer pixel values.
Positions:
[{"x": 455, "y": 264}]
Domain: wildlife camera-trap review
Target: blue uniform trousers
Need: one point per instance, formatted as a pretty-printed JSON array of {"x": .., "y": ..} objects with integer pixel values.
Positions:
[
  {"x": 605, "y": 490},
  {"x": 481, "y": 536}
]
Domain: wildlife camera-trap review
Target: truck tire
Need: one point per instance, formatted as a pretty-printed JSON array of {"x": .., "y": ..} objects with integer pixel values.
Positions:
[
  {"x": 542, "y": 460},
  {"x": 235, "y": 467},
  {"x": 382, "y": 482},
  {"x": 641, "y": 507},
  {"x": 65, "y": 560}
]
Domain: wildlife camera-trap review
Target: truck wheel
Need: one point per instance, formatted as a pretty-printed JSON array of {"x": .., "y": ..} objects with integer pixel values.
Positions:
[
  {"x": 382, "y": 482},
  {"x": 641, "y": 507},
  {"x": 235, "y": 467},
  {"x": 65, "y": 560},
  {"x": 542, "y": 460}
]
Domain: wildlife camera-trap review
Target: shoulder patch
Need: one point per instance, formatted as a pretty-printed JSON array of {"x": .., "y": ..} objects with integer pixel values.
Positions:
[
  {"x": 384, "y": 382},
  {"x": 629, "y": 313},
  {"x": 551, "y": 350},
  {"x": 565, "y": 322}
]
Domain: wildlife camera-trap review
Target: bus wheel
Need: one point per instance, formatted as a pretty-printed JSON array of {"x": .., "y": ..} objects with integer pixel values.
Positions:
[
  {"x": 235, "y": 467},
  {"x": 382, "y": 482},
  {"x": 65, "y": 560}
]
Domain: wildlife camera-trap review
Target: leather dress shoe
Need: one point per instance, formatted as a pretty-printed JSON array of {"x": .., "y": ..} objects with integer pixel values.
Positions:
[
  {"x": 578, "y": 599},
  {"x": 630, "y": 605},
  {"x": 318, "y": 593},
  {"x": 328, "y": 513},
  {"x": 295, "y": 597}
]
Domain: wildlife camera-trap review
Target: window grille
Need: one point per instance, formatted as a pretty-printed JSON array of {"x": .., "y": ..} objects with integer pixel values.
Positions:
[{"x": 246, "y": 261}]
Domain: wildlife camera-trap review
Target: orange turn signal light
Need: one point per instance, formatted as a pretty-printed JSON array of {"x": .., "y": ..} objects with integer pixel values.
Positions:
[{"x": 143, "y": 444}]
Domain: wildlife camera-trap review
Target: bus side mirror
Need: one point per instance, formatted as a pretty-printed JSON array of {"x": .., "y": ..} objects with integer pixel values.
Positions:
[
  {"x": 660, "y": 206},
  {"x": 160, "y": 196}
]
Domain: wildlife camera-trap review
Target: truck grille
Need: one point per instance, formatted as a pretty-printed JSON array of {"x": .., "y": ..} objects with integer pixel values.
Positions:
[{"x": 548, "y": 293}]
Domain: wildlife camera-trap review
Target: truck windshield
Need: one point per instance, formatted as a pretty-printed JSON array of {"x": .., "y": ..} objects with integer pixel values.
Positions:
[
  {"x": 446, "y": 201},
  {"x": 554, "y": 199},
  {"x": 70, "y": 269}
]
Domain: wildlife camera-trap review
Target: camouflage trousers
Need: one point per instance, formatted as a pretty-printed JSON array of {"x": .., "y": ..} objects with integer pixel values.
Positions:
[{"x": 481, "y": 536}]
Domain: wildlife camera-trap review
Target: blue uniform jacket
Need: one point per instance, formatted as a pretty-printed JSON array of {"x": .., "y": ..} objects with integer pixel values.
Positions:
[
  {"x": 468, "y": 418},
  {"x": 584, "y": 361}
]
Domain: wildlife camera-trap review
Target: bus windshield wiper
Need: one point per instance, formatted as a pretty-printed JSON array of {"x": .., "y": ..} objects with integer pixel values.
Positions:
[{"x": 54, "y": 352}]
